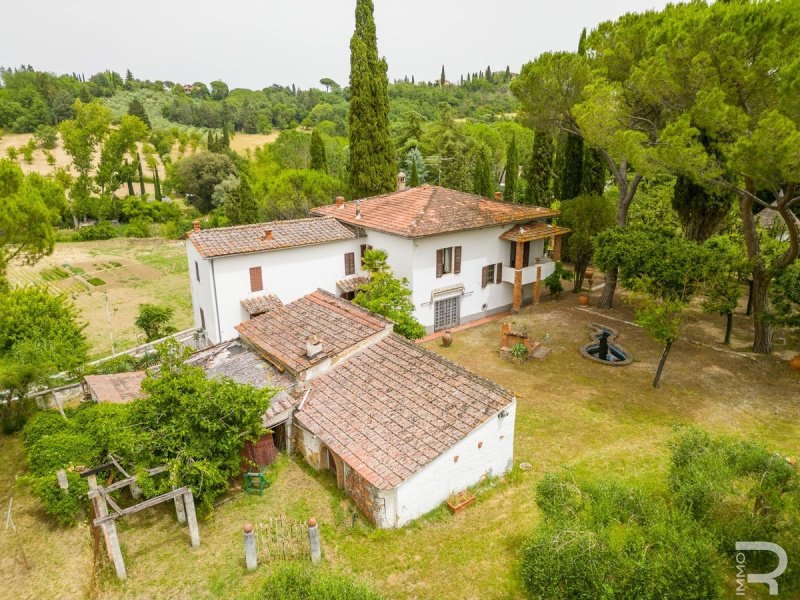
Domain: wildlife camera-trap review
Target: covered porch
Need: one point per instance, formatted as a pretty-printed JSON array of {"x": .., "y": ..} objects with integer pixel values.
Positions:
[{"x": 524, "y": 269}]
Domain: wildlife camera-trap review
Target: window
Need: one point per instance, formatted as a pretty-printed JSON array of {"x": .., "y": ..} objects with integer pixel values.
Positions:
[
  {"x": 491, "y": 274},
  {"x": 350, "y": 263},
  {"x": 448, "y": 260},
  {"x": 202, "y": 320},
  {"x": 197, "y": 271},
  {"x": 256, "y": 281}
]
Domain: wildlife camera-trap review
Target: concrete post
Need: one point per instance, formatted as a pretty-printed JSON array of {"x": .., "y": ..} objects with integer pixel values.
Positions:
[
  {"x": 313, "y": 539},
  {"x": 136, "y": 491},
  {"x": 250, "y": 558},
  {"x": 110, "y": 529},
  {"x": 289, "y": 435},
  {"x": 100, "y": 510},
  {"x": 191, "y": 518},
  {"x": 180, "y": 511},
  {"x": 537, "y": 286},
  {"x": 63, "y": 482}
]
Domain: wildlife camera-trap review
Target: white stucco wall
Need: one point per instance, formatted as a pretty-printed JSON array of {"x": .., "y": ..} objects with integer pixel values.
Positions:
[
  {"x": 202, "y": 292},
  {"x": 289, "y": 273},
  {"x": 479, "y": 248},
  {"x": 442, "y": 477},
  {"x": 399, "y": 249}
]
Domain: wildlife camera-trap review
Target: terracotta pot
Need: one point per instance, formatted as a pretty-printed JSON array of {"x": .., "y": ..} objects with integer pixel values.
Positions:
[
  {"x": 583, "y": 299},
  {"x": 588, "y": 273},
  {"x": 447, "y": 339},
  {"x": 794, "y": 363}
]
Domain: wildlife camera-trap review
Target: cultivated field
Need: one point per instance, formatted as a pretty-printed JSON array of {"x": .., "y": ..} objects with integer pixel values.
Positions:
[
  {"x": 598, "y": 420},
  {"x": 129, "y": 271}
]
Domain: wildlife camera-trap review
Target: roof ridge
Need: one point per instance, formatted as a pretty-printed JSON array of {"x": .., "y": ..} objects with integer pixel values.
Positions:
[
  {"x": 346, "y": 305},
  {"x": 254, "y": 225}
]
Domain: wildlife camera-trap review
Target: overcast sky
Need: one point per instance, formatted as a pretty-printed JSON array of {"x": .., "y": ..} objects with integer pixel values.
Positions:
[{"x": 254, "y": 43}]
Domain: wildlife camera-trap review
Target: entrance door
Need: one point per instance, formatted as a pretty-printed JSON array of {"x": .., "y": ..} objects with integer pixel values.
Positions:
[{"x": 446, "y": 313}]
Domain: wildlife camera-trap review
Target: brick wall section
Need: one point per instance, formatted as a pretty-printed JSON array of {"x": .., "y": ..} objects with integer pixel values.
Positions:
[{"x": 362, "y": 493}]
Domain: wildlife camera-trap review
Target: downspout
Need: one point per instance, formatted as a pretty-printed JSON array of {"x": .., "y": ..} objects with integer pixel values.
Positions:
[{"x": 216, "y": 303}]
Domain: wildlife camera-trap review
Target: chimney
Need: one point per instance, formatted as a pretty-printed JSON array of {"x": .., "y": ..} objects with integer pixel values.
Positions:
[
  {"x": 313, "y": 346},
  {"x": 498, "y": 196},
  {"x": 268, "y": 234},
  {"x": 195, "y": 226},
  {"x": 339, "y": 201},
  {"x": 358, "y": 209},
  {"x": 401, "y": 181}
]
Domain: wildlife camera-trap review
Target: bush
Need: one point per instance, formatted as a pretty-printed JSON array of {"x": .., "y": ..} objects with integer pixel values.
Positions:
[
  {"x": 60, "y": 450},
  {"x": 102, "y": 231},
  {"x": 301, "y": 581},
  {"x": 14, "y": 415},
  {"x": 46, "y": 136},
  {"x": 138, "y": 228},
  {"x": 60, "y": 504},
  {"x": 42, "y": 423}
]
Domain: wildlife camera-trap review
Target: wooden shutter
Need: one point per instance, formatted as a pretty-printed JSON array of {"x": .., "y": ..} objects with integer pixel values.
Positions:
[
  {"x": 498, "y": 273},
  {"x": 439, "y": 263},
  {"x": 457, "y": 260},
  {"x": 484, "y": 276},
  {"x": 256, "y": 282},
  {"x": 513, "y": 263},
  {"x": 350, "y": 263}
]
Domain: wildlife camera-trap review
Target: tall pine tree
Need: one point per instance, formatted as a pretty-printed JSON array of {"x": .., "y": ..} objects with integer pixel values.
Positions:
[
  {"x": 539, "y": 171},
  {"x": 372, "y": 165},
  {"x": 442, "y": 78},
  {"x": 512, "y": 171},
  {"x": 593, "y": 173},
  {"x": 319, "y": 158}
]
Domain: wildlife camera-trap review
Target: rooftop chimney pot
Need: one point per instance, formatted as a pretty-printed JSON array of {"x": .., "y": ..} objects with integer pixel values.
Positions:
[
  {"x": 268, "y": 234},
  {"x": 313, "y": 346},
  {"x": 358, "y": 209},
  {"x": 196, "y": 226},
  {"x": 340, "y": 201}
]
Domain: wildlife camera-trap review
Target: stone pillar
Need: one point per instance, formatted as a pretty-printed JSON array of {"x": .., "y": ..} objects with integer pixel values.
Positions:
[
  {"x": 313, "y": 539},
  {"x": 191, "y": 518},
  {"x": 136, "y": 491},
  {"x": 180, "y": 510},
  {"x": 63, "y": 482},
  {"x": 504, "y": 331},
  {"x": 112, "y": 539},
  {"x": 250, "y": 558}
]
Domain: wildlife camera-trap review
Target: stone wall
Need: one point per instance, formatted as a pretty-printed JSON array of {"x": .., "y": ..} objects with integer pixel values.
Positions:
[{"x": 362, "y": 493}]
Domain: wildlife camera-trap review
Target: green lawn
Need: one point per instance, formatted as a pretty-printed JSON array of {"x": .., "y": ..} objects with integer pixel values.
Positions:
[{"x": 598, "y": 420}]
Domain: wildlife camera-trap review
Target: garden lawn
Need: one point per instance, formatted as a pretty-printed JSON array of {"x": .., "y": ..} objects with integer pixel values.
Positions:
[
  {"x": 131, "y": 271},
  {"x": 598, "y": 420}
]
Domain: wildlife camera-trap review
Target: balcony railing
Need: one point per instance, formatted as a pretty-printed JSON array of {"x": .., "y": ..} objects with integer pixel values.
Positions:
[{"x": 529, "y": 273}]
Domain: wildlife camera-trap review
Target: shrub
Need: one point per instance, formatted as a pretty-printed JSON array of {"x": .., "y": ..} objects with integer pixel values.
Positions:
[
  {"x": 42, "y": 423},
  {"x": 553, "y": 281},
  {"x": 138, "y": 228},
  {"x": 96, "y": 281},
  {"x": 301, "y": 581},
  {"x": 60, "y": 504},
  {"x": 154, "y": 321},
  {"x": 102, "y": 231},
  {"x": 12, "y": 153},
  {"x": 60, "y": 450},
  {"x": 46, "y": 136},
  {"x": 519, "y": 351},
  {"x": 14, "y": 415}
]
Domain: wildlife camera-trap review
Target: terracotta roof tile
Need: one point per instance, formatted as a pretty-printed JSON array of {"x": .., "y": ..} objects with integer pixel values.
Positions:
[
  {"x": 261, "y": 304},
  {"x": 242, "y": 239},
  {"x": 395, "y": 406},
  {"x": 431, "y": 210},
  {"x": 118, "y": 388},
  {"x": 281, "y": 334},
  {"x": 533, "y": 231}
]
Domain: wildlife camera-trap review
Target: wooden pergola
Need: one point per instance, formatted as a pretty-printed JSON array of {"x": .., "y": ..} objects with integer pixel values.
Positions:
[{"x": 105, "y": 519}]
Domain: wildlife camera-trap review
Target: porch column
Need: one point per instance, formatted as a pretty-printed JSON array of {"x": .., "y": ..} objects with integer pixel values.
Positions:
[
  {"x": 517, "y": 305},
  {"x": 537, "y": 286},
  {"x": 557, "y": 247}
]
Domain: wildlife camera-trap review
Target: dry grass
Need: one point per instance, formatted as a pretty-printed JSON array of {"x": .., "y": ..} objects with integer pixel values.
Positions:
[
  {"x": 597, "y": 420},
  {"x": 242, "y": 142},
  {"x": 135, "y": 271}
]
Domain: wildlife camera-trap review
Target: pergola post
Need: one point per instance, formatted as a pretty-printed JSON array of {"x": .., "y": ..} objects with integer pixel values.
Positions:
[
  {"x": 100, "y": 510},
  {"x": 180, "y": 510},
  {"x": 557, "y": 247},
  {"x": 537, "y": 285},
  {"x": 112, "y": 541},
  {"x": 191, "y": 518}
]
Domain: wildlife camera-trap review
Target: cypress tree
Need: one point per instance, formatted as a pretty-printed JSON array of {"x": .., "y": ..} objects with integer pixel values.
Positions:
[
  {"x": 226, "y": 138},
  {"x": 488, "y": 73},
  {"x": 141, "y": 176},
  {"x": 157, "y": 184},
  {"x": 582, "y": 43},
  {"x": 570, "y": 172},
  {"x": 319, "y": 159},
  {"x": 442, "y": 79},
  {"x": 128, "y": 179},
  {"x": 413, "y": 178},
  {"x": 512, "y": 170},
  {"x": 136, "y": 108},
  {"x": 372, "y": 163},
  {"x": 412, "y": 81},
  {"x": 539, "y": 171},
  {"x": 593, "y": 175},
  {"x": 482, "y": 181}
]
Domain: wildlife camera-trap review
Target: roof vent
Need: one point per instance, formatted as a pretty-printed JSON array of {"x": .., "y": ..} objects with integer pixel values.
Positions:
[
  {"x": 358, "y": 209},
  {"x": 498, "y": 195},
  {"x": 313, "y": 346},
  {"x": 268, "y": 235},
  {"x": 339, "y": 201}
]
